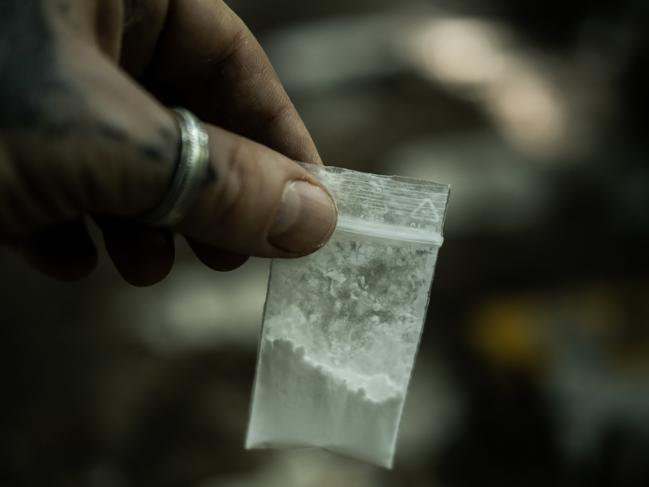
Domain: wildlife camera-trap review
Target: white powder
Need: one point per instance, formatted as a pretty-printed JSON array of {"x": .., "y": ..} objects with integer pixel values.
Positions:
[
  {"x": 337, "y": 347},
  {"x": 300, "y": 402}
]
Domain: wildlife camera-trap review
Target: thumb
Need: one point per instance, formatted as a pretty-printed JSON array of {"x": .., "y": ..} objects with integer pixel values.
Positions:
[{"x": 258, "y": 202}]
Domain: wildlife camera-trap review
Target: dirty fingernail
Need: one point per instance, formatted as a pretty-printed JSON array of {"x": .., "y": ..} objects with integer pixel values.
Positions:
[{"x": 305, "y": 219}]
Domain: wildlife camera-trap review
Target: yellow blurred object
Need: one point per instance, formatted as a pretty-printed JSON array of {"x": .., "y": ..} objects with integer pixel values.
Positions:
[{"x": 508, "y": 333}]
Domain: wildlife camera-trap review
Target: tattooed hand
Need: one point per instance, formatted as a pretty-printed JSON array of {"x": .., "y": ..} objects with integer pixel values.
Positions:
[{"x": 85, "y": 130}]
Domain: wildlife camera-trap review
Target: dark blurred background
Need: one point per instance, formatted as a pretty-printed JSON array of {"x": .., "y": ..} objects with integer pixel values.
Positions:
[{"x": 534, "y": 364}]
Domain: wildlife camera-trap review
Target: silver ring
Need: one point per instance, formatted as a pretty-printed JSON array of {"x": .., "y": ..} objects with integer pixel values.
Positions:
[{"x": 189, "y": 175}]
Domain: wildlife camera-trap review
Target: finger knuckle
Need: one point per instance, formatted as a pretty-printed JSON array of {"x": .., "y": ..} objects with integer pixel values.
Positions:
[{"x": 233, "y": 181}]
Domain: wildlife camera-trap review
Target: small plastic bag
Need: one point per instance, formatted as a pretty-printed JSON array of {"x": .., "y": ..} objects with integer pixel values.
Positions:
[{"x": 341, "y": 327}]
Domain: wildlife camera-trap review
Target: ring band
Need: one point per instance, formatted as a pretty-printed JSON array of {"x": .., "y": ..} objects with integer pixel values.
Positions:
[{"x": 189, "y": 175}]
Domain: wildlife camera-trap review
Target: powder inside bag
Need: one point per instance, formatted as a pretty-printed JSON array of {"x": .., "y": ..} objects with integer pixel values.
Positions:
[
  {"x": 300, "y": 398},
  {"x": 342, "y": 325},
  {"x": 341, "y": 329}
]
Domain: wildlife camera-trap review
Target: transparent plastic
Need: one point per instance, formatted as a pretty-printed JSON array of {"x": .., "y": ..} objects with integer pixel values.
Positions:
[{"x": 341, "y": 327}]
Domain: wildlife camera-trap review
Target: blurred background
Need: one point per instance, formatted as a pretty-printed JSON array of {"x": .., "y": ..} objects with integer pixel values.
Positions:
[{"x": 534, "y": 364}]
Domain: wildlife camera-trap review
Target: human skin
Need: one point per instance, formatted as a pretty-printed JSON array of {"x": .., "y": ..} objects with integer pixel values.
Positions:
[{"x": 86, "y": 131}]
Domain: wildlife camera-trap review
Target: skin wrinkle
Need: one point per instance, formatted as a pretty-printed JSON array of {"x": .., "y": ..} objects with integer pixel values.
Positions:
[
  {"x": 261, "y": 124},
  {"x": 210, "y": 176},
  {"x": 242, "y": 79},
  {"x": 278, "y": 113},
  {"x": 108, "y": 20},
  {"x": 220, "y": 70},
  {"x": 225, "y": 206},
  {"x": 130, "y": 24},
  {"x": 143, "y": 23},
  {"x": 155, "y": 151},
  {"x": 216, "y": 66}
]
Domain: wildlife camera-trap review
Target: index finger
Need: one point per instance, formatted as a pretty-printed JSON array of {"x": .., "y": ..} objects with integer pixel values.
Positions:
[{"x": 207, "y": 60}]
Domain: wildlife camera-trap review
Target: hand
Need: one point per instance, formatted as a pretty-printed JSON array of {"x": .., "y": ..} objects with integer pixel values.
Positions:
[{"x": 85, "y": 129}]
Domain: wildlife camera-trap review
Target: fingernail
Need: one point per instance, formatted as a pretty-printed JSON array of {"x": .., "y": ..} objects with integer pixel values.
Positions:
[{"x": 305, "y": 219}]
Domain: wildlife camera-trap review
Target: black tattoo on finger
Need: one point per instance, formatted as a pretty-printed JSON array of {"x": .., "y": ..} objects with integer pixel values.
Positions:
[{"x": 37, "y": 98}]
